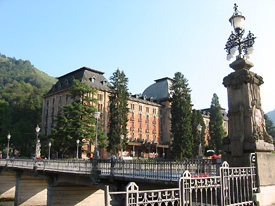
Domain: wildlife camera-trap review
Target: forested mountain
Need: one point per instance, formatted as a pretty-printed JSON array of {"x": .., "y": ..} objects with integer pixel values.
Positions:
[
  {"x": 21, "y": 89},
  {"x": 271, "y": 115}
]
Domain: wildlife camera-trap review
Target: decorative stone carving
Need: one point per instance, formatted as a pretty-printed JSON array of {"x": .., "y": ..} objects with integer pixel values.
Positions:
[{"x": 246, "y": 128}]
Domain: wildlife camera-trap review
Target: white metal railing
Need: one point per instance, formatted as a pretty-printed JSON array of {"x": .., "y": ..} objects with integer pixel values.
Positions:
[
  {"x": 233, "y": 186},
  {"x": 135, "y": 197}
]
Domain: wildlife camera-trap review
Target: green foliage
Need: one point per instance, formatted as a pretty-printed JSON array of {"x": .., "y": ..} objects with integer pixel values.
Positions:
[
  {"x": 76, "y": 121},
  {"x": 181, "y": 128},
  {"x": 4, "y": 120},
  {"x": 216, "y": 129},
  {"x": 196, "y": 120},
  {"x": 12, "y": 70},
  {"x": 21, "y": 89},
  {"x": 118, "y": 110},
  {"x": 270, "y": 128}
]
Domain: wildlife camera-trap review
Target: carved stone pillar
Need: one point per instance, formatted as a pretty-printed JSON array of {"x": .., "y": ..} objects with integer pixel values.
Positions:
[{"x": 246, "y": 125}]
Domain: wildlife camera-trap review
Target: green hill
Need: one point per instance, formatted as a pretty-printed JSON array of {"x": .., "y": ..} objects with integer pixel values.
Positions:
[
  {"x": 12, "y": 69},
  {"x": 21, "y": 89}
]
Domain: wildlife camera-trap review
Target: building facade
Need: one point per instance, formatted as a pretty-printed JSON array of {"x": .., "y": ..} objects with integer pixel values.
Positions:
[{"x": 148, "y": 118}]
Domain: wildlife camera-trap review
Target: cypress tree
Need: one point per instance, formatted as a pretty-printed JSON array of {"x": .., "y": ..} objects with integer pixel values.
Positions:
[
  {"x": 181, "y": 128},
  {"x": 118, "y": 111},
  {"x": 216, "y": 129},
  {"x": 76, "y": 120}
]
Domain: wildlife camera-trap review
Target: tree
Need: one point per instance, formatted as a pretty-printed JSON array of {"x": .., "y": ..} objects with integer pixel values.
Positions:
[
  {"x": 4, "y": 122},
  {"x": 76, "y": 121},
  {"x": 197, "y": 119},
  {"x": 270, "y": 128},
  {"x": 118, "y": 110},
  {"x": 181, "y": 129},
  {"x": 216, "y": 129},
  {"x": 21, "y": 87}
]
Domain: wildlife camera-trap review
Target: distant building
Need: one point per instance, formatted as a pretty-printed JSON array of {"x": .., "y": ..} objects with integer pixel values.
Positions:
[
  {"x": 206, "y": 118},
  {"x": 148, "y": 118}
]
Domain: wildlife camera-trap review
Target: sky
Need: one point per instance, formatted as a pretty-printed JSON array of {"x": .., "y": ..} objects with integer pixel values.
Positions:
[{"x": 147, "y": 39}]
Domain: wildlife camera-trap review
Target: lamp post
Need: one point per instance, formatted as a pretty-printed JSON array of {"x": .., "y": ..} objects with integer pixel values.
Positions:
[
  {"x": 97, "y": 115},
  {"x": 8, "y": 149},
  {"x": 236, "y": 43},
  {"x": 49, "y": 156},
  {"x": 77, "y": 145},
  {"x": 37, "y": 148},
  {"x": 121, "y": 138},
  {"x": 199, "y": 127}
]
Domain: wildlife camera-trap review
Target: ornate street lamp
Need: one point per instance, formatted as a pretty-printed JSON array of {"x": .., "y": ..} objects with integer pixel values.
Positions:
[
  {"x": 199, "y": 128},
  {"x": 121, "y": 138},
  {"x": 236, "y": 43},
  {"x": 97, "y": 115},
  {"x": 77, "y": 145},
  {"x": 49, "y": 156},
  {"x": 37, "y": 148},
  {"x": 8, "y": 149}
]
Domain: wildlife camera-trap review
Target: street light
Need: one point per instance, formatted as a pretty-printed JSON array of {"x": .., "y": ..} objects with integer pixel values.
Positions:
[
  {"x": 77, "y": 145},
  {"x": 8, "y": 149},
  {"x": 199, "y": 127},
  {"x": 97, "y": 115},
  {"x": 121, "y": 137},
  {"x": 49, "y": 156},
  {"x": 236, "y": 42},
  {"x": 37, "y": 148}
]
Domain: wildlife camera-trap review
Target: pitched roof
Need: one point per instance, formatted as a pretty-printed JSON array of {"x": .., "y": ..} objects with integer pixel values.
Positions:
[{"x": 93, "y": 77}]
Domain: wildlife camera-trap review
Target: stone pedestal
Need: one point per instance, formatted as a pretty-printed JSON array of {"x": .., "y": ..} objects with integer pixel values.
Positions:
[
  {"x": 246, "y": 125},
  {"x": 247, "y": 130}
]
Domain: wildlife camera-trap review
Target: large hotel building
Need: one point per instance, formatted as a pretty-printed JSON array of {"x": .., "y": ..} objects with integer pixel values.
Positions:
[{"x": 148, "y": 118}]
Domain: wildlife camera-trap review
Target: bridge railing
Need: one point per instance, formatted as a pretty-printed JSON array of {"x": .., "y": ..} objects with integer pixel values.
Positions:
[
  {"x": 71, "y": 166},
  {"x": 156, "y": 169},
  {"x": 145, "y": 169}
]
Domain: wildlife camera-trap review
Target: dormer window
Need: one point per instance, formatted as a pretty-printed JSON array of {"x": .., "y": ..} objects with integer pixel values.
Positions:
[
  {"x": 66, "y": 82},
  {"x": 92, "y": 79},
  {"x": 104, "y": 82}
]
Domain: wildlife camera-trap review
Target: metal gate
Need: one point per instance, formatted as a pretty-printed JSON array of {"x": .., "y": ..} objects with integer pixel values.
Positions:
[{"x": 233, "y": 186}]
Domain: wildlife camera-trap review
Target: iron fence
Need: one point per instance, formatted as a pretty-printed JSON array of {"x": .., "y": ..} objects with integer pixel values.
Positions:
[
  {"x": 134, "y": 197},
  {"x": 233, "y": 186}
]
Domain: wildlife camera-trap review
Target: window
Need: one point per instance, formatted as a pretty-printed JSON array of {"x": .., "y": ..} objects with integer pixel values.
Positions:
[
  {"x": 100, "y": 97},
  {"x": 132, "y": 106},
  {"x": 92, "y": 79},
  {"x": 47, "y": 103},
  {"x": 132, "y": 116},
  {"x": 147, "y": 109},
  {"x": 140, "y": 108},
  {"x": 53, "y": 100},
  {"x": 140, "y": 118},
  {"x": 99, "y": 107},
  {"x": 67, "y": 97}
]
